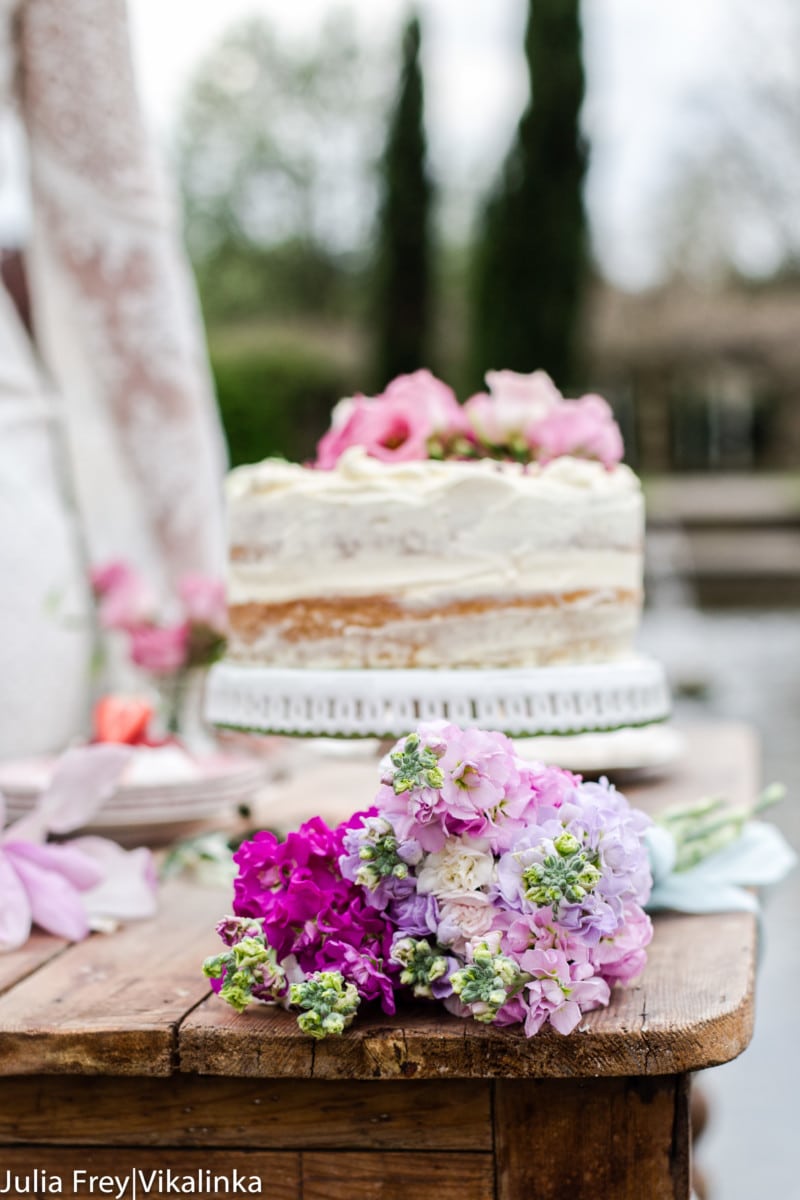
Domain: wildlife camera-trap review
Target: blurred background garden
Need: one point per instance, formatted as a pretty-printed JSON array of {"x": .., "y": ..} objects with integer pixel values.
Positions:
[{"x": 607, "y": 190}]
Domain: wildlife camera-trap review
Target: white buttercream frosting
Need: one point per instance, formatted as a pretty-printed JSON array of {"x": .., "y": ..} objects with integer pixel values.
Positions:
[{"x": 428, "y": 531}]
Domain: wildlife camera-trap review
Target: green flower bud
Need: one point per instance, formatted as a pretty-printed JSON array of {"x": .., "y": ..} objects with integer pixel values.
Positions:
[{"x": 566, "y": 843}]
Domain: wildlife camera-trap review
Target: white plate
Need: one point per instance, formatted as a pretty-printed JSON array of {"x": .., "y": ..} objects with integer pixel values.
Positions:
[
  {"x": 222, "y": 782},
  {"x": 651, "y": 748}
]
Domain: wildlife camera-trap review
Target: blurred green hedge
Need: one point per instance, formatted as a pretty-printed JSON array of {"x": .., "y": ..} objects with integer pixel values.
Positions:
[{"x": 275, "y": 400}]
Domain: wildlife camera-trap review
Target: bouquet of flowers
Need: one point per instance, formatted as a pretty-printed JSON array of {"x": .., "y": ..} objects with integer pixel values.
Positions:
[
  {"x": 521, "y": 417},
  {"x": 510, "y": 891}
]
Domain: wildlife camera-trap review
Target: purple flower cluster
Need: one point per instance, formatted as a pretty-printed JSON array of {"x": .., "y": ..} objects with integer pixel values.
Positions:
[
  {"x": 512, "y": 891},
  {"x": 311, "y": 913}
]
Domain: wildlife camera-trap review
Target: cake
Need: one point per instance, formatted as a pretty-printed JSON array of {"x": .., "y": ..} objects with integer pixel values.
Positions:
[{"x": 501, "y": 533}]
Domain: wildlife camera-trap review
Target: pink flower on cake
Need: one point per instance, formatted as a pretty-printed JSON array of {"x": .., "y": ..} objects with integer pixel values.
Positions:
[
  {"x": 424, "y": 394},
  {"x": 396, "y": 426},
  {"x": 585, "y": 428},
  {"x": 515, "y": 402},
  {"x": 160, "y": 650},
  {"x": 386, "y": 429}
]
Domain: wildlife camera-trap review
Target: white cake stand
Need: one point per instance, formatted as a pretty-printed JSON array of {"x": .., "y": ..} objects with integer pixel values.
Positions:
[{"x": 522, "y": 702}]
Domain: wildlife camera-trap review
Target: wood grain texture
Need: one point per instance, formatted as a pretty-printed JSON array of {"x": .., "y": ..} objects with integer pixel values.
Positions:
[
  {"x": 692, "y": 1008},
  {"x": 627, "y": 1139},
  {"x": 279, "y": 1174},
  {"x": 398, "y": 1176},
  {"x": 271, "y": 1114},
  {"x": 111, "y": 1005},
  {"x": 16, "y": 965}
]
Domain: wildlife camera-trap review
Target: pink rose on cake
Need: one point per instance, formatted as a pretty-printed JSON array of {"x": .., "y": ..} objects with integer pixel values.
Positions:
[
  {"x": 415, "y": 417},
  {"x": 514, "y": 404},
  {"x": 585, "y": 428}
]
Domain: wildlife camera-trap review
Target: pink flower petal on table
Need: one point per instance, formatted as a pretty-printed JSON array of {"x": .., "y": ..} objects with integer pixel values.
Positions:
[
  {"x": 78, "y": 869},
  {"x": 127, "y": 890},
  {"x": 15, "y": 909},
  {"x": 565, "y": 1017},
  {"x": 55, "y": 904},
  {"x": 84, "y": 779}
]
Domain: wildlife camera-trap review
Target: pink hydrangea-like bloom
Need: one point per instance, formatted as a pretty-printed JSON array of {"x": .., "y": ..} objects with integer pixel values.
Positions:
[
  {"x": 584, "y": 428},
  {"x": 621, "y": 958},
  {"x": 515, "y": 402},
  {"x": 161, "y": 650},
  {"x": 396, "y": 426},
  {"x": 204, "y": 602},
  {"x": 560, "y": 993}
]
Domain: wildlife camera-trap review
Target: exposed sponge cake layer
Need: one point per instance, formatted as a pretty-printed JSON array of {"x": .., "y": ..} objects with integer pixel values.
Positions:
[{"x": 377, "y": 631}]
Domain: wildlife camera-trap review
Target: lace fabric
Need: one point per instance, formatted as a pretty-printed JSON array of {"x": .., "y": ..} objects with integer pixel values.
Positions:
[{"x": 122, "y": 365}]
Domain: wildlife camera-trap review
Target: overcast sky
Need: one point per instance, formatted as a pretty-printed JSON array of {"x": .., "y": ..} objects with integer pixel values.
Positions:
[{"x": 646, "y": 64}]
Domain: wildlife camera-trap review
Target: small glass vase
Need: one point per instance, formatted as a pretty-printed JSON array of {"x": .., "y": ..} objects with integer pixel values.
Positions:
[{"x": 182, "y": 697}]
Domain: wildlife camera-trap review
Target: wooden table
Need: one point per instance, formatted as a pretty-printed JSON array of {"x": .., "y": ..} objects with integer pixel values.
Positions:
[{"x": 116, "y": 1057}]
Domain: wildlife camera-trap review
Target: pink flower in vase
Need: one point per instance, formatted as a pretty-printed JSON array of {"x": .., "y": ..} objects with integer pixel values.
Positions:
[
  {"x": 204, "y": 602},
  {"x": 126, "y": 601},
  {"x": 160, "y": 649},
  {"x": 585, "y": 428}
]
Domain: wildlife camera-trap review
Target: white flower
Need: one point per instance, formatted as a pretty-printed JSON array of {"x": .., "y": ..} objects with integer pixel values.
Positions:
[
  {"x": 463, "y": 919},
  {"x": 463, "y": 865}
]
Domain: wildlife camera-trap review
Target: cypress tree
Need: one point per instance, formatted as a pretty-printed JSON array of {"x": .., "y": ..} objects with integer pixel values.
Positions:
[
  {"x": 402, "y": 308},
  {"x": 530, "y": 257}
]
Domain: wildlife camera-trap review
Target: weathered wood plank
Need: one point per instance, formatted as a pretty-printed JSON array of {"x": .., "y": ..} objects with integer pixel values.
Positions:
[
  {"x": 16, "y": 965},
  {"x": 111, "y": 1005},
  {"x": 620, "y": 1138},
  {"x": 397, "y": 1176},
  {"x": 692, "y": 1008},
  {"x": 276, "y": 1174},
  {"x": 271, "y": 1114}
]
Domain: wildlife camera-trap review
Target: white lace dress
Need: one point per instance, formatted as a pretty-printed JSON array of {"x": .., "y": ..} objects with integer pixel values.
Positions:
[{"x": 115, "y": 420}]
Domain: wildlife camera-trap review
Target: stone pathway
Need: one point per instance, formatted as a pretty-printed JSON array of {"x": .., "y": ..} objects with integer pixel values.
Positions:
[{"x": 747, "y": 666}]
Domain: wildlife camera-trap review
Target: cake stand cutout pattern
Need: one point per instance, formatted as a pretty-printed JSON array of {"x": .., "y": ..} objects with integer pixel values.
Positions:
[{"x": 388, "y": 703}]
